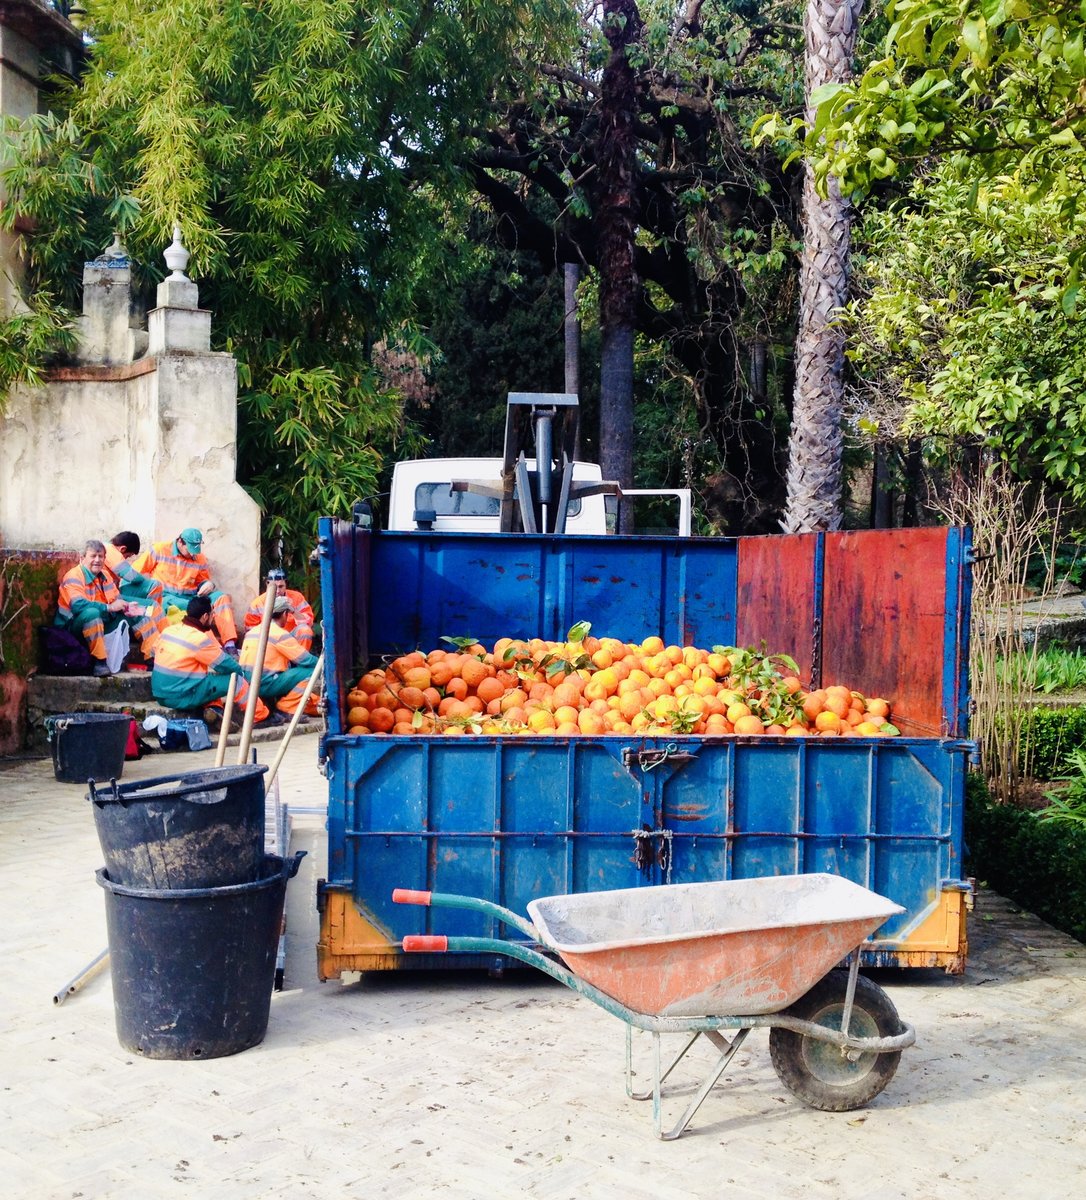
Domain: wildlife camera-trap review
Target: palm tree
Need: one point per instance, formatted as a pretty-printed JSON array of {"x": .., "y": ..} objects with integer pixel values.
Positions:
[{"x": 814, "y": 458}]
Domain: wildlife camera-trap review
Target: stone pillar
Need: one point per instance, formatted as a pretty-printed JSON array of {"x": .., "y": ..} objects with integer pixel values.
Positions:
[
  {"x": 194, "y": 474},
  {"x": 104, "y": 334}
]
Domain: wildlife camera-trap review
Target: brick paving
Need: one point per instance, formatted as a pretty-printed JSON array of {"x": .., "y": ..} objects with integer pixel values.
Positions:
[{"x": 460, "y": 1085}]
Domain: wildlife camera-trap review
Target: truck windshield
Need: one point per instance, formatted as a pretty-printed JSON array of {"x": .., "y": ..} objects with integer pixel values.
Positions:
[{"x": 442, "y": 501}]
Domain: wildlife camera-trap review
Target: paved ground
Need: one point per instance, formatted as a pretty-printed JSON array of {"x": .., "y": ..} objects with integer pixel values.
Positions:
[{"x": 463, "y": 1086}]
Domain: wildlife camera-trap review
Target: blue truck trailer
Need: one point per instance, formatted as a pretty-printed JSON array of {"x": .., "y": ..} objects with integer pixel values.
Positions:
[{"x": 511, "y": 818}]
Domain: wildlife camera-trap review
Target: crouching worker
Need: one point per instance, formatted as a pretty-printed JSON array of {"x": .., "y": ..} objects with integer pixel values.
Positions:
[
  {"x": 287, "y": 663},
  {"x": 296, "y": 618},
  {"x": 192, "y": 670},
  {"x": 143, "y": 594},
  {"x": 90, "y": 606}
]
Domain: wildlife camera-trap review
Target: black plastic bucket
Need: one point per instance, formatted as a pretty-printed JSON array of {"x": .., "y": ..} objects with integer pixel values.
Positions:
[
  {"x": 193, "y": 969},
  {"x": 203, "y": 829},
  {"x": 88, "y": 745}
]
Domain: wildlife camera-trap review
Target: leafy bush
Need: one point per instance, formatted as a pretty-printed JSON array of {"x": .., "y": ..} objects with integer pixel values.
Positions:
[
  {"x": 1048, "y": 671},
  {"x": 1038, "y": 864},
  {"x": 1053, "y": 735}
]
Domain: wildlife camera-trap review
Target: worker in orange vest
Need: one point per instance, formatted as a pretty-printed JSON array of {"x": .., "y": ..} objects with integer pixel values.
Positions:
[
  {"x": 90, "y": 606},
  {"x": 184, "y": 572},
  {"x": 297, "y": 618},
  {"x": 287, "y": 663},
  {"x": 192, "y": 670},
  {"x": 139, "y": 590}
]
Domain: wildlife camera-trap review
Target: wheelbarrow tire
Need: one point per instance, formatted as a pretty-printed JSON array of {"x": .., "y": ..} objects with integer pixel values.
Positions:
[{"x": 819, "y": 1073}]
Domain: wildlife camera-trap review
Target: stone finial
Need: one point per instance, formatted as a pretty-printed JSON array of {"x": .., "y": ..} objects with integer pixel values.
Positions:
[
  {"x": 114, "y": 256},
  {"x": 176, "y": 256}
]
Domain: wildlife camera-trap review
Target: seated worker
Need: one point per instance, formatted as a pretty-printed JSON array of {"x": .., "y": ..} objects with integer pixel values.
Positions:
[
  {"x": 298, "y": 617},
  {"x": 192, "y": 670},
  {"x": 90, "y": 606},
  {"x": 287, "y": 664},
  {"x": 121, "y": 552},
  {"x": 184, "y": 572},
  {"x": 137, "y": 589}
]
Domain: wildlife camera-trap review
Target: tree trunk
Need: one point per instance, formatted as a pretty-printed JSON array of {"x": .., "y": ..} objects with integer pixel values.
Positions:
[
  {"x": 814, "y": 463},
  {"x": 616, "y": 216}
]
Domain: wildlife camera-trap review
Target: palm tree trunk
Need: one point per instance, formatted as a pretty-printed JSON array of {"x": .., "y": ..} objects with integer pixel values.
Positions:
[
  {"x": 814, "y": 463},
  {"x": 617, "y": 225}
]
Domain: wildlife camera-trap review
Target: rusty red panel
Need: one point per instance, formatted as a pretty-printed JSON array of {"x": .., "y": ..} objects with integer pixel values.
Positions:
[
  {"x": 776, "y": 596},
  {"x": 884, "y": 613}
]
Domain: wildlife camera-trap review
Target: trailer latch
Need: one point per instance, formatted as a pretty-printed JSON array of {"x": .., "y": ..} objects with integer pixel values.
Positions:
[{"x": 648, "y": 759}]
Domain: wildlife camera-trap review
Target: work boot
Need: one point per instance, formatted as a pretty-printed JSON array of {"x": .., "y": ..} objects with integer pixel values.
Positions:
[{"x": 100, "y": 670}]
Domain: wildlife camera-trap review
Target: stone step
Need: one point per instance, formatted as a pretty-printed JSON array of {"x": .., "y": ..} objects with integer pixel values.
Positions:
[{"x": 129, "y": 692}]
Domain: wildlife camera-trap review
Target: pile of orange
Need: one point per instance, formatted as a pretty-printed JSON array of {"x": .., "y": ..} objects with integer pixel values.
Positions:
[{"x": 596, "y": 686}]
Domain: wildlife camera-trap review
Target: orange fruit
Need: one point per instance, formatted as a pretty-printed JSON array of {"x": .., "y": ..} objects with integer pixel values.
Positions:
[
  {"x": 473, "y": 672},
  {"x": 411, "y": 697},
  {"x": 565, "y": 714},
  {"x": 737, "y": 710},
  {"x": 590, "y": 723},
  {"x": 749, "y": 724},
  {"x": 836, "y": 703},
  {"x": 652, "y": 645},
  {"x": 456, "y": 687},
  {"x": 541, "y": 720},
  {"x": 489, "y": 689},
  {"x": 358, "y": 716},
  {"x": 567, "y": 729},
  {"x": 372, "y": 681},
  {"x": 440, "y": 673},
  {"x": 827, "y": 721},
  {"x": 381, "y": 720},
  {"x": 879, "y": 707}
]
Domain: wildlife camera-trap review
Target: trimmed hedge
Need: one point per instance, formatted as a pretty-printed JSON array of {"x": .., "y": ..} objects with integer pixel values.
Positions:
[
  {"x": 1040, "y": 865},
  {"x": 1053, "y": 733}
]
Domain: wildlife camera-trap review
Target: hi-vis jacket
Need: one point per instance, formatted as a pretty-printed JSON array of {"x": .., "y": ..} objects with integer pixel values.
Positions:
[
  {"x": 180, "y": 576},
  {"x": 183, "y": 657},
  {"x": 282, "y": 652},
  {"x": 82, "y": 592}
]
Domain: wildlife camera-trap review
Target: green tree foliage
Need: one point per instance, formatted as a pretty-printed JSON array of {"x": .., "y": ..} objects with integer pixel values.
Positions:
[
  {"x": 306, "y": 148},
  {"x": 998, "y": 80},
  {"x": 962, "y": 330}
]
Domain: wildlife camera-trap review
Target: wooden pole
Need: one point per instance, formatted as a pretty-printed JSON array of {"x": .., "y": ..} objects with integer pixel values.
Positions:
[
  {"x": 294, "y": 721},
  {"x": 258, "y": 670},
  {"x": 227, "y": 716}
]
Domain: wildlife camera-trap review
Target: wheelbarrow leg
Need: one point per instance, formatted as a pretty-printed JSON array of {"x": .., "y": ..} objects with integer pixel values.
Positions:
[{"x": 727, "y": 1051}]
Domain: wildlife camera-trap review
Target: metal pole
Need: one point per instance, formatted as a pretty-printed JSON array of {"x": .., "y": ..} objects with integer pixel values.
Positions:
[
  {"x": 270, "y": 778},
  {"x": 92, "y": 968},
  {"x": 258, "y": 670},
  {"x": 227, "y": 716}
]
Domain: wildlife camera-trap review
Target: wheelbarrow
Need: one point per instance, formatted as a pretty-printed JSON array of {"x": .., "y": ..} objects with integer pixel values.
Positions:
[{"x": 699, "y": 958}]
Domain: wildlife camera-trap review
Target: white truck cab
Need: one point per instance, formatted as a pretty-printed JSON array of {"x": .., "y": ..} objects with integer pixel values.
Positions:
[{"x": 423, "y": 496}]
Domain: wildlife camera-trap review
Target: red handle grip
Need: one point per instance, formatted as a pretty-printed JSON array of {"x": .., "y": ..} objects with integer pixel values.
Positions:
[
  {"x": 408, "y": 896},
  {"x": 425, "y": 943}
]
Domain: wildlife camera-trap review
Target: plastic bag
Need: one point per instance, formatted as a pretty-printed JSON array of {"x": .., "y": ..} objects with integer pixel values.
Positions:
[
  {"x": 179, "y": 733},
  {"x": 118, "y": 644}
]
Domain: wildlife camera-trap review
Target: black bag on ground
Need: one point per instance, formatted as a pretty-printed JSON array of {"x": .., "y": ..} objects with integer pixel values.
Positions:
[{"x": 62, "y": 653}]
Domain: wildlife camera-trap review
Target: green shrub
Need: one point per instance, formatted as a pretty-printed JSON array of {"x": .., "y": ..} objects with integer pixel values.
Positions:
[
  {"x": 1038, "y": 864},
  {"x": 1053, "y": 734}
]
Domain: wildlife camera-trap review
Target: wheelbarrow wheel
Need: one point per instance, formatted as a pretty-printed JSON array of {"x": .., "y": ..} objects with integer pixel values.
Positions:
[{"x": 825, "y": 1076}]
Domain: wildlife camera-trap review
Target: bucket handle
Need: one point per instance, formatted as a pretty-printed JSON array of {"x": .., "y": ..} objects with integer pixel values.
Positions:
[
  {"x": 296, "y": 862},
  {"x": 92, "y": 795},
  {"x": 55, "y": 725}
]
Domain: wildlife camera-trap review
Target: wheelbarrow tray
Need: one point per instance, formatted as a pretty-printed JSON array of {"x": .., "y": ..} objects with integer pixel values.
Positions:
[{"x": 745, "y": 946}]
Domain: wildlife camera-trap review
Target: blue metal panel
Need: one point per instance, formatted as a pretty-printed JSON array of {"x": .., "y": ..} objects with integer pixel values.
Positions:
[
  {"x": 460, "y": 585},
  {"x": 513, "y": 819}
]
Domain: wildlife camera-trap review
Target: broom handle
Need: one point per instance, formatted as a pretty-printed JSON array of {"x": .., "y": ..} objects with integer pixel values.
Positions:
[
  {"x": 295, "y": 719},
  {"x": 227, "y": 715},
  {"x": 258, "y": 670}
]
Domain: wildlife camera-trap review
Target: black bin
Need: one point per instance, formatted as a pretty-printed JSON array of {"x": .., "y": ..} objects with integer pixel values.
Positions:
[
  {"x": 88, "y": 745},
  {"x": 193, "y": 969},
  {"x": 202, "y": 829}
]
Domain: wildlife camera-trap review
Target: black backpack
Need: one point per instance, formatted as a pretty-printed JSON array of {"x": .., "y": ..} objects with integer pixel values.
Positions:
[{"x": 62, "y": 653}]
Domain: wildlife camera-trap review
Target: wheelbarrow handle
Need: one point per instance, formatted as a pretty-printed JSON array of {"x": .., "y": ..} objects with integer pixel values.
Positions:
[
  {"x": 450, "y": 900},
  {"x": 425, "y": 943}
]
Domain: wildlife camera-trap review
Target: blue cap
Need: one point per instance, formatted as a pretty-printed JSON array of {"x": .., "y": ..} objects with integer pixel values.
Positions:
[{"x": 192, "y": 538}]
